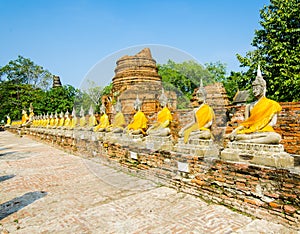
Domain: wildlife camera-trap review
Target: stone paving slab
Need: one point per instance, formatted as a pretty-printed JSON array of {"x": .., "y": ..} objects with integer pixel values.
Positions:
[{"x": 45, "y": 190}]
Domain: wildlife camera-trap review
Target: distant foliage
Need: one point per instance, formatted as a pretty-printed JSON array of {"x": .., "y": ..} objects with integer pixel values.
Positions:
[
  {"x": 22, "y": 82},
  {"x": 184, "y": 78},
  {"x": 24, "y": 71}
]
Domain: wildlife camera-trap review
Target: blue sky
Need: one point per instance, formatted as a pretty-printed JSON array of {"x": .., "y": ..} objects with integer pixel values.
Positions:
[{"x": 68, "y": 37}]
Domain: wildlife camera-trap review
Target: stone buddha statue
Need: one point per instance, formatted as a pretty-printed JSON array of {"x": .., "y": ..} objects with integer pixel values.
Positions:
[
  {"x": 31, "y": 113},
  {"x": 8, "y": 121},
  {"x": 164, "y": 118},
  {"x": 56, "y": 120},
  {"x": 51, "y": 123},
  {"x": 260, "y": 116},
  {"x": 74, "y": 119},
  {"x": 92, "y": 118},
  {"x": 138, "y": 124},
  {"x": 67, "y": 122},
  {"x": 104, "y": 121},
  {"x": 47, "y": 122},
  {"x": 203, "y": 117},
  {"x": 43, "y": 120},
  {"x": 119, "y": 122},
  {"x": 25, "y": 118},
  {"x": 82, "y": 121},
  {"x": 61, "y": 120}
]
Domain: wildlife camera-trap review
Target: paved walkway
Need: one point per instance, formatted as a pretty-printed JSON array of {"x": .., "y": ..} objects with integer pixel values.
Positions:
[{"x": 45, "y": 190}]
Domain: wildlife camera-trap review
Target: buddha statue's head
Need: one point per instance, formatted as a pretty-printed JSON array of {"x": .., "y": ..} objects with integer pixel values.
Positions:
[
  {"x": 259, "y": 85},
  {"x": 201, "y": 93},
  {"x": 163, "y": 100},
  {"x": 137, "y": 104}
]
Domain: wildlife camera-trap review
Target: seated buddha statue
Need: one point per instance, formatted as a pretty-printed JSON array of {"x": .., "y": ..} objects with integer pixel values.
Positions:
[
  {"x": 260, "y": 116},
  {"x": 73, "y": 123},
  {"x": 25, "y": 118},
  {"x": 61, "y": 120},
  {"x": 104, "y": 121},
  {"x": 92, "y": 118},
  {"x": 164, "y": 118},
  {"x": 138, "y": 124},
  {"x": 56, "y": 120},
  {"x": 51, "y": 122},
  {"x": 8, "y": 121},
  {"x": 82, "y": 121},
  {"x": 47, "y": 122},
  {"x": 67, "y": 122},
  {"x": 31, "y": 113},
  {"x": 203, "y": 116},
  {"x": 119, "y": 122}
]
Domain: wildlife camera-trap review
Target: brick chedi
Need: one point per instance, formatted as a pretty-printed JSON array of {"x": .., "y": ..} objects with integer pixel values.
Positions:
[
  {"x": 139, "y": 68},
  {"x": 56, "y": 82},
  {"x": 137, "y": 75}
]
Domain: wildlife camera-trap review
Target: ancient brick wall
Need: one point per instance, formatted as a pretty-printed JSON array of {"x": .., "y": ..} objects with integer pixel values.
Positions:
[{"x": 288, "y": 125}]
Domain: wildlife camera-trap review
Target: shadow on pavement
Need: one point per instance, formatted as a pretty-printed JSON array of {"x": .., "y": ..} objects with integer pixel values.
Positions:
[
  {"x": 6, "y": 177},
  {"x": 7, "y": 153},
  {"x": 18, "y": 203}
]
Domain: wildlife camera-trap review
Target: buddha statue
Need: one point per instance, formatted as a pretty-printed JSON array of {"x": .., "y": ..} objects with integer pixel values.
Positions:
[
  {"x": 104, "y": 121},
  {"x": 138, "y": 124},
  {"x": 47, "y": 121},
  {"x": 92, "y": 118},
  {"x": 67, "y": 122},
  {"x": 119, "y": 122},
  {"x": 25, "y": 118},
  {"x": 31, "y": 113},
  {"x": 51, "y": 123},
  {"x": 61, "y": 120},
  {"x": 82, "y": 121},
  {"x": 260, "y": 116},
  {"x": 8, "y": 121},
  {"x": 56, "y": 120},
  {"x": 203, "y": 117},
  {"x": 74, "y": 119},
  {"x": 164, "y": 118}
]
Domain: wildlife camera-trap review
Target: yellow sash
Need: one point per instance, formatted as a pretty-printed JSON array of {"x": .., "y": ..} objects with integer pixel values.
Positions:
[
  {"x": 139, "y": 121},
  {"x": 204, "y": 115},
  {"x": 260, "y": 116}
]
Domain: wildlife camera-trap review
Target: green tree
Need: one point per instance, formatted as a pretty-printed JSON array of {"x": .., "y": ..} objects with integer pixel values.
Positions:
[
  {"x": 59, "y": 99},
  {"x": 24, "y": 71},
  {"x": 15, "y": 97},
  {"x": 217, "y": 71},
  {"x": 277, "y": 50}
]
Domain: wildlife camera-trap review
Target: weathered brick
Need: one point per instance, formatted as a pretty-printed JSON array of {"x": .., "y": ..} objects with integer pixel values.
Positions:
[{"x": 289, "y": 209}]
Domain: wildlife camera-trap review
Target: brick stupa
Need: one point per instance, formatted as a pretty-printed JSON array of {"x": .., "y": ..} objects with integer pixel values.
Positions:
[{"x": 137, "y": 75}]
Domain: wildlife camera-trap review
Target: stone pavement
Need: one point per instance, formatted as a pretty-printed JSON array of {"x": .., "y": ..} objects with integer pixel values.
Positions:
[{"x": 45, "y": 190}]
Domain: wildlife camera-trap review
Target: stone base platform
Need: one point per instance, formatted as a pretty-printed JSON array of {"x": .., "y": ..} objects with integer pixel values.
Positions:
[
  {"x": 204, "y": 148},
  {"x": 259, "y": 154},
  {"x": 132, "y": 140},
  {"x": 159, "y": 143}
]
